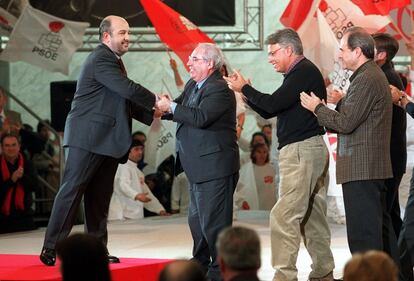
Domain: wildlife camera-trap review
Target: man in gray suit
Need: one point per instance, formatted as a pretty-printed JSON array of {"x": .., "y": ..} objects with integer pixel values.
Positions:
[
  {"x": 363, "y": 123},
  {"x": 207, "y": 150},
  {"x": 97, "y": 136}
]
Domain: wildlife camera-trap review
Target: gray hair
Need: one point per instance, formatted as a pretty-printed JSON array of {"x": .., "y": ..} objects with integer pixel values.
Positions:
[
  {"x": 105, "y": 26},
  {"x": 212, "y": 52},
  {"x": 239, "y": 247},
  {"x": 286, "y": 37},
  {"x": 359, "y": 38}
]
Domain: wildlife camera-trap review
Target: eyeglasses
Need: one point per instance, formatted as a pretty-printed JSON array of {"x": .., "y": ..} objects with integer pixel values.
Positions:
[
  {"x": 195, "y": 59},
  {"x": 272, "y": 53}
]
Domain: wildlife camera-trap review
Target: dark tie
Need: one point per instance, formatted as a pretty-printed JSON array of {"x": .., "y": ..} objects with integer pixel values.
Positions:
[
  {"x": 122, "y": 66},
  {"x": 192, "y": 99}
]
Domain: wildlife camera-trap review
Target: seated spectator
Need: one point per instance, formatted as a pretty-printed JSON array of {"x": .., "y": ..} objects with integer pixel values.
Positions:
[
  {"x": 17, "y": 182},
  {"x": 371, "y": 266},
  {"x": 257, "y": 137},
  {"x": 179, "y": 194},
  {"x": 182, "y": 270},
  {"x": 83, "y": 257},
  {"x": 256, "y": 189},
  {"x": 238, "y": 251},
  {"x": 131, "y": 193}
]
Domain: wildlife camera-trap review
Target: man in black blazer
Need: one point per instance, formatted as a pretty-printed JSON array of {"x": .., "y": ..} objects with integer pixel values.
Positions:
[
  {"x": 97, "y": 136},
  {"x": 207, "y": 150}
]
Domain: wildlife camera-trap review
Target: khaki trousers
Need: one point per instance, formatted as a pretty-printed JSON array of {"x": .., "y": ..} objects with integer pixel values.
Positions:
[{"x": 301, "y": 210}]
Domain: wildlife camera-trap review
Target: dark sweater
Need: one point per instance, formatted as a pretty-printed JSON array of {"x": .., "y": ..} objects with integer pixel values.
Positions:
[{"x": 294, "y": 122}]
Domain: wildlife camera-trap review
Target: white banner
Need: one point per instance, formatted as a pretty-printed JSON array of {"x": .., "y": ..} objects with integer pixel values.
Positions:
[{"x": 44, "y": 40}]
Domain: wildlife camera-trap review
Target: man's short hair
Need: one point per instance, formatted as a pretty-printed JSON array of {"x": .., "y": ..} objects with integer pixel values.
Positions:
[
  {"x": 239, "y": 247},
  {"x": 105, "y": 26},
  {"x": 286, "y": 37},
  {"x": 182, "y": 270},
  {"x": 384, "y": 42},
  {"x": 212, "y": 52},
  {"x": 9, "y": 135},
  {"x": 359, "y": 38}
]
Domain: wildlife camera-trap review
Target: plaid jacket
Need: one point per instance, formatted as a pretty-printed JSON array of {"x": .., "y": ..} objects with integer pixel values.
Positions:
[{"x": 363, "y": 124}]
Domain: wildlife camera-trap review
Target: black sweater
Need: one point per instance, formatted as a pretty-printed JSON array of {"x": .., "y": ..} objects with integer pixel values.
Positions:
[{"x": 294, "y": 122}]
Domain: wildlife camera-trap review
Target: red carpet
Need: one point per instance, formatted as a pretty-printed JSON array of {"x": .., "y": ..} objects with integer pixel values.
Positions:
[{"x": 29, "y": 267}]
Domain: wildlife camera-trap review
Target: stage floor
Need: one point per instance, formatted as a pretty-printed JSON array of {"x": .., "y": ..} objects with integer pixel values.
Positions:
[{"x": 169, "y": 237}]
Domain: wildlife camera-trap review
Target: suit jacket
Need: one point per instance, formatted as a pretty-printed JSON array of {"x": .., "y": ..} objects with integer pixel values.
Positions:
[
  {"x": 206, "y": 133},
  {"x": 410, "y": 109},
  {"x": 363, "y": 124},
  {"x": 398, "y": 126},
  {"x": 100, "y": 118}
]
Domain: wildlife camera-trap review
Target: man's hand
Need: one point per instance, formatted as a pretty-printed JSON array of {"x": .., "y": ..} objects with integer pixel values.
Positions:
[
  {"x": 236, "y": 81},
  {"x": 17, "y": 174},
  {"x": 334, "y": 96},
  {"x": 142, "y": 197},
  {"x": 164, "y": 213},
  {"x": 173, "y": 64},
  {"x": 396, "y": 95},
  {"x": 164, "y": 103},
  {"x": 310, "y": 101}
]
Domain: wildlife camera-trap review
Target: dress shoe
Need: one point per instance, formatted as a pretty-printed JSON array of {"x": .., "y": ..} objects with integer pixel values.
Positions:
[
  {"x": 48, "y": 256},
  {"x": 328, "y": 277},
  {"x": 113, "y": 259}
]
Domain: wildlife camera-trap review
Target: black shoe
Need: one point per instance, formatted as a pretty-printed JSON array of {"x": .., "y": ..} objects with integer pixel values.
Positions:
[
  {"x": 48, "y": 256},
  {"x": 113, "y": 259}
]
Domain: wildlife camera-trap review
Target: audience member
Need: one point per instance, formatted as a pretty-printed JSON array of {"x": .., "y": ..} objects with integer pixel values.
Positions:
[
  {"x": 17, "y": 183},
  {"x": 238, "y": 250},
  {"x": 370, "y": 266},
  {"x": 182, "y": 270},
  {"x": 179, "y": 195},
  {"x": 131, "y": 194},
  {"x": 83, "y": 257}
]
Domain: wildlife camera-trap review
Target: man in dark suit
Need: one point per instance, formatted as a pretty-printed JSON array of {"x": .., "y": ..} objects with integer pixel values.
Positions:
[
  {"x": 207, "y": 150},
  {"x": 386, "y": 47},
  {"x": 363, "y": 122},
  {"x": 97, "y": 136}
]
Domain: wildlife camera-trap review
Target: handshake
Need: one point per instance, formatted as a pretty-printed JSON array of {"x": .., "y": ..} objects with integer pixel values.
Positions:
[{"x": 162, "y": 106}]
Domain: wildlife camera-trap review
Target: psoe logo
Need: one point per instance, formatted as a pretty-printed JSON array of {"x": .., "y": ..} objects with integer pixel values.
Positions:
[{"x": 50, "y": 42}]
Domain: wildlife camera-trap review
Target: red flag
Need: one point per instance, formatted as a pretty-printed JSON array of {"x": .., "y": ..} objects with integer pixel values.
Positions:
[
  {"x": 180, "y": 34},
  {"x": 383, "y": 7},
  {"x": 295, "y": 13}
]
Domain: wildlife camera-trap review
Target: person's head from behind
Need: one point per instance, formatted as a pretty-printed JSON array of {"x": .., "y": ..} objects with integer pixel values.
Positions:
[
  {"x": 386, "y": 47},
  {"x": 136, "y": 151},
  {"x": 357, "y": 46},
  {"x": 238, "y": 251},
  {"x": 83, "y": 257},
  {"x": 139, "y": 135},
  {"x": 204, "y": 60},
  {"x": 370, "y": 266},
  {"x": 182, "y": 270},
  {"x": 114, "y": 33},
  {"x": 284, "y": 46},
  {"x": 258, "y": 137},
  {"x": 260, "y": 154},
  {"x": 10, "y": 147}
]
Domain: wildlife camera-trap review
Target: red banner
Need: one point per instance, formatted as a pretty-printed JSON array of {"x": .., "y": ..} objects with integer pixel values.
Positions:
[
  {"x": 382, "y": 7},
  {"x": 176, "y": 31}
]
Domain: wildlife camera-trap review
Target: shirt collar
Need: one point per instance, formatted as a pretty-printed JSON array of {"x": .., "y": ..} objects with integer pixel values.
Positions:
[{"x": 294, "y": 63}]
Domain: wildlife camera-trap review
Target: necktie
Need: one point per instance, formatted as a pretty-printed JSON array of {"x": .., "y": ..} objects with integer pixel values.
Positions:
[
  {"x": 192, "y": 99},
  {"x": 122, "y": 66}
]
